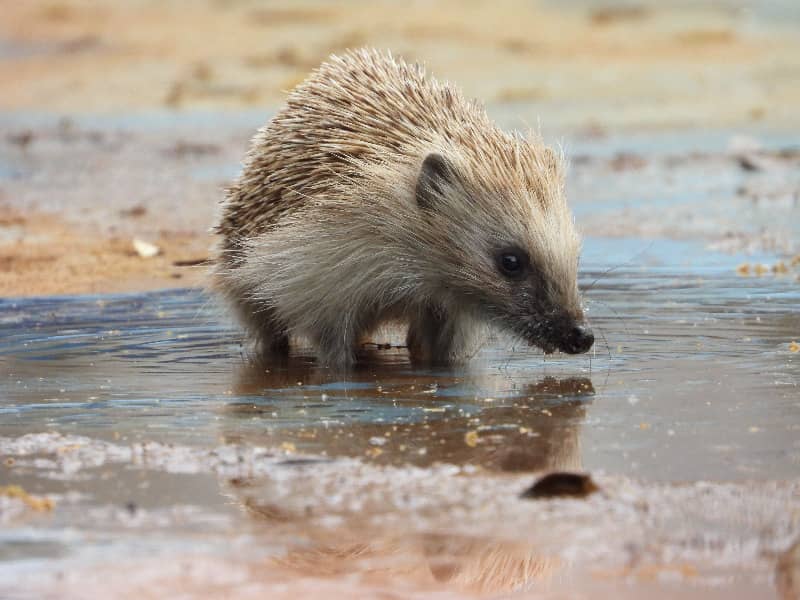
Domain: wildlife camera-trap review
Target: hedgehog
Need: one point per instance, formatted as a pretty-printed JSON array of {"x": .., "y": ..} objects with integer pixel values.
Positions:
[{"x": 380, "y": 194}]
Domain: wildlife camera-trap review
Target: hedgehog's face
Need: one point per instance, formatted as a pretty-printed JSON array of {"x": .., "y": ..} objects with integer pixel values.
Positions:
[
  {"x": 538, "y": 302},
  {"x": 516, "y": 261}
]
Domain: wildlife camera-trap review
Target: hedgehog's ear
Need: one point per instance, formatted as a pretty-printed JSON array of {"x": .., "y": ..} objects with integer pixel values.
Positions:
[{"x": 435, "y": 175}]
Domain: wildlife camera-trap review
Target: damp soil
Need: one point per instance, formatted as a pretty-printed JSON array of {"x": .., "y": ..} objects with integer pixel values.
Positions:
[{"x": 159, "y": 439}]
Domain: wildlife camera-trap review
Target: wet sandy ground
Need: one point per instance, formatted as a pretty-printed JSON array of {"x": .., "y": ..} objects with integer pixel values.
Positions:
[{"x": 573, "y": 63}]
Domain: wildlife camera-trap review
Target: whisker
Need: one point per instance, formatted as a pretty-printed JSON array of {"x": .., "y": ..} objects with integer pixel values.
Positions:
[
  {"x": 610, "y": 357},
  {"x": 619, "y": 266},
  {"x": 616, "y": 314}
]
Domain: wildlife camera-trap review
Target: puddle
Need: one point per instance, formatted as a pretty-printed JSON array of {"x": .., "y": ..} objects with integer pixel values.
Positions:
[{"x": 691, "y": 381}]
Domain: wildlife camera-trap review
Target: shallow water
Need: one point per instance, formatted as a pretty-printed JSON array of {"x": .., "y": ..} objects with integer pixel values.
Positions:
[{"x": 691, "y": 380}]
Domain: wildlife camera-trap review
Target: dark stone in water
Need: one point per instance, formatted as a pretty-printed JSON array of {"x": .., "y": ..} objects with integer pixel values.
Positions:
[{"x": 555, "y": 485}]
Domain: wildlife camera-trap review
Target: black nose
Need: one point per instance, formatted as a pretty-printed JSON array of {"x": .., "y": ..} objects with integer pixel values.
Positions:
[{"x": 579, "y": 339}]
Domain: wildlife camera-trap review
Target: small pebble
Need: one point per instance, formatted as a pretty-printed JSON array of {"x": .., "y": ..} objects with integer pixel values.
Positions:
[
  {"x": 145, "y": 249},
  {"x": 471, "y": 438},
  {"x": 561, "y": 484}
]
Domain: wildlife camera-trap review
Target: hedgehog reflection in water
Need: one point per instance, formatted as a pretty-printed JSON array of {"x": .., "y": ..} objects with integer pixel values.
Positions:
[
  {"x": 547, "y": 414},
  {"x": 530, "y": 425},
  {"x": 380, "y": 194}
]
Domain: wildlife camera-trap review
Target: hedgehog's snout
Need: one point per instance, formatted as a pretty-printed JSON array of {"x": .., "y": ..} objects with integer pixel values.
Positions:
[
  {"x": 577, "y": 339},
  {"x": 564, "y": 334}
]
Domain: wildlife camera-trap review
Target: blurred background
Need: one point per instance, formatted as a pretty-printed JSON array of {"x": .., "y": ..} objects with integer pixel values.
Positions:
[
  {"x": 123, "y": 120},
  {"x": 573, "y": 63}
]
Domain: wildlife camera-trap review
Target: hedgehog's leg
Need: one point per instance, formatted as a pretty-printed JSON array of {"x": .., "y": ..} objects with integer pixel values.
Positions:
[
  {"x": 335, "y": 334},
  {"x": 438, "y": 337},
  {"x": 336, "y": 346},
  {"x": 272, "y": 338},
  {"x": 256, "y": 315}
]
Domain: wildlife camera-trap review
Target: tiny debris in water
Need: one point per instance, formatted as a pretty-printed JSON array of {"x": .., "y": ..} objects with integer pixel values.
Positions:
[
  {"x": 751, "y": 162},
  {"x": 35, "y": 502},
  {"x": 780, "y": 268},
  {"x": 759, "y": 270},
  {"x": 559, "y": 484},
  {"x": 471, "y": 438}
]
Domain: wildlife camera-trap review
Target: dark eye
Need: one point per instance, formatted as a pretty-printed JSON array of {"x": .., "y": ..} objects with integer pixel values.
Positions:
[{"x": 511, "y": 263}]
